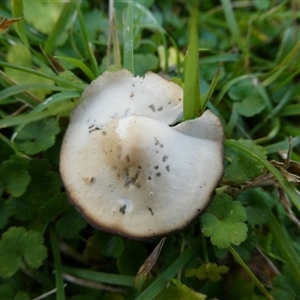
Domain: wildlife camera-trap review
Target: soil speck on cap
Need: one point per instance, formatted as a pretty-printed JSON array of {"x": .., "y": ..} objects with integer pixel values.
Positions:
[
  {"x": 152, "y": 107},
  {"x": 151, "y": 211},
  {"x": 92, "y": 128},
  {"x": 122, "y": 209}
]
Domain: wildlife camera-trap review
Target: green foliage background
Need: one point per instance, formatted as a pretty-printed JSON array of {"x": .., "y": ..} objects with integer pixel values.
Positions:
[{"x": 246, "y": 245}]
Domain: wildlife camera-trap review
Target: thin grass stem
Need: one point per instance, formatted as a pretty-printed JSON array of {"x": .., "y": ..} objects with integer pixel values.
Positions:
[{"x": 251, "y": 275}]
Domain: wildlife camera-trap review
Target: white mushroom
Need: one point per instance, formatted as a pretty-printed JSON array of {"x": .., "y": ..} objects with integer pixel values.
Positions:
[{"x": 126, "y": 170}]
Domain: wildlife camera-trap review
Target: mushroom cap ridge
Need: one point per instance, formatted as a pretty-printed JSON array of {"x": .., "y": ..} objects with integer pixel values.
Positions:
[{"x": 126, "y": 170}]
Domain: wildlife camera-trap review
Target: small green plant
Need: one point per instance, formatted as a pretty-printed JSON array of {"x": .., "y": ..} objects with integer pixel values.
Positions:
[{"x": 240, "y": 60}]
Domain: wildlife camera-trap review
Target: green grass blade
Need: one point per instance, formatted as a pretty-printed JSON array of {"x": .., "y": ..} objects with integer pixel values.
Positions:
[
  {"x": 288, "y": 58},
  {"x": 35, "y": 116},
  {"x": 88, "y": 44},
  {"x": 155, "y": 288},
  {"x": 274, "y": 112},
  {"x": 232, "y": 24},
  {"x": 223, "y": 57},
  {"x": 55, "y": 99},
  {"x": 17, "y": 12},
  {"x": 128, "y": 39},
  {"x": 78, "y": 63},
  {"x": 270, "y": 79},
  {"x": 59, "y": 27},
  {"x": 116, "y": 279},
  {"x": 217, "y": 112},
  {"x": 10, "y": 144},
  {"x": 288, "y": 187},
  {"x": 153, "y": 22},
  {"x": 60, "y": 293},
  {"x": 263, "y": 93},
  {"x": 250, "y": 273},
  {"x": 291, "y": 110},
  {"x": 210, "y": 90},
  {"x": 17, "y": 89},
  {"x": 281, "y": 146},
  {"x": 230, "y": 83},
  {"x": 232, "y": 122},
  {"x": 191, "y": 98},
  {"x": 275, "y": 127},
  {"x": 287, "y": 79},
  {"x": 113, "y": 39},
  {"x": 285, "y": 246},
  {"x": 56, "y": 79}
]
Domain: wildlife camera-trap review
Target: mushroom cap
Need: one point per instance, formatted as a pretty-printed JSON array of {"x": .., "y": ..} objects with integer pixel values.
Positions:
[{"x": 126, "y": 170}]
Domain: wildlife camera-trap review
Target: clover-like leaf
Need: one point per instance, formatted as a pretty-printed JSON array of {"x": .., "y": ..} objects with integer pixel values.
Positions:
[
  {"x": 96, "y": 248},
  {"x": 224, "y": 222},
  {"x": 282, "y": 289},
  {"x": 17, "y": 244},
  {"x": 6, "y": 291},
  {"x": 209, "y": 271},
  {"x": 144, "y": 63},
  {"x": 14, "y": 178},
  {"x": 179, "y": 291},
  {"x": 21, "y": 55},
  {"x": 242, "y": 89},
  {"x": 4, "y": 214},
  {"x": 38, "y": 136},
  {"x": 243, "y": 167},
  {"x": 44, "y": 15},
  {"x": 258, "y": 204},
  {"x": 132, "y": 257},
  {"x": 244, "y": 250},
  {"x": 5, "y": 150},
  {"x": 105, "y": 244},
  {"x": 54, "y": 207},
  {"x": 248, "y": 101},
  {"x": 70, "y": 224},
  {"x": 21, "y": 296},
  {"x": 44, "y": 184},
  {"x": 250, "y": 106}
]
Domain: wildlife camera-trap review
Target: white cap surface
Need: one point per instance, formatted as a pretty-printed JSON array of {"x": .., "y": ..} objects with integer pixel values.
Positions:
[{"x": 126, "y": 170}]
